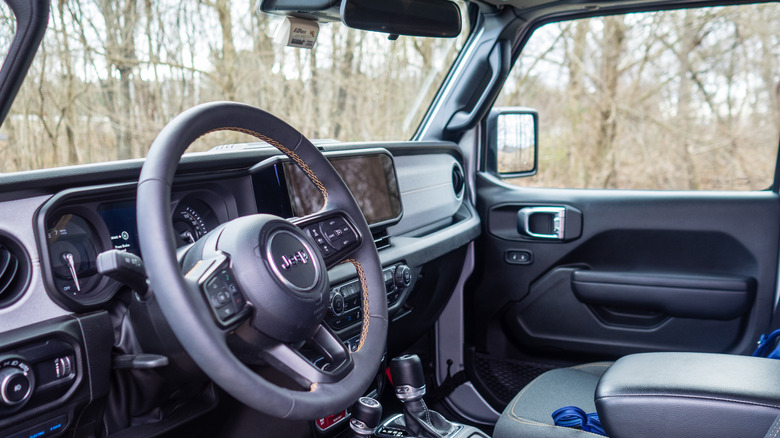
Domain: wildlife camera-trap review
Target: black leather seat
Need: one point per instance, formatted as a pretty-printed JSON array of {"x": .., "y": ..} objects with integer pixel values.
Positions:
[
  {"x": 529, "y": 414},
  {"x": 651, "y": 395}
]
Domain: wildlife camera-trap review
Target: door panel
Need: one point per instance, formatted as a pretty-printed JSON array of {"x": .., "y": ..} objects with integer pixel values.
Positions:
[{"x": 649, "y": 271}]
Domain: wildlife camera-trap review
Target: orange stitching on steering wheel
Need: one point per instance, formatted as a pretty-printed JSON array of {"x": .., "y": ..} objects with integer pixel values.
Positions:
[
  {"x": 298, "y": 160},
  {"x": 366, "y": 313}
]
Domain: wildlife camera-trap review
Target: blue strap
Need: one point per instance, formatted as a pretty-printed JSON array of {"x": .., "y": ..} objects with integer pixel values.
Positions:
[
  {"x": 766, "y": 342},
  {"x": 572, "y": 416}
]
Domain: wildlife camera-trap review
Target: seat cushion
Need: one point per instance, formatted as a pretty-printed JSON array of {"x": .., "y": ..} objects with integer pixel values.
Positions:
[{"x": 529, "y": 414}]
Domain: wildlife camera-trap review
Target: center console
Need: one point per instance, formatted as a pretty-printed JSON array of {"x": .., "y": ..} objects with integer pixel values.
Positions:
[
  {"x": 416, "y": 421},
  {"x": 689, "y": 394}
]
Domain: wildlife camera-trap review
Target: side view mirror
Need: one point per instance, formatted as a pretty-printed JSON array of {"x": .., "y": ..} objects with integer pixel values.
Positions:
[{"x": 513, "y": 141}]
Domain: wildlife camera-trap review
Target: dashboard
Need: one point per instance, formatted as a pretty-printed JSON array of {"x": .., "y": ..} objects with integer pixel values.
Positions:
[
  {"x": 69, "y": 325},
  {"x": 77, "y": 225}
]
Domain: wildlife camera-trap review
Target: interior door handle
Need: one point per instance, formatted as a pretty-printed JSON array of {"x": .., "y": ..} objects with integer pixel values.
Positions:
[{"x": 557, "y": 218}]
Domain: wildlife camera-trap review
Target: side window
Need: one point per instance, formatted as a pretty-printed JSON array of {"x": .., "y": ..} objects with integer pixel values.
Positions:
[
  {"x": 7, "y": 28},
  {"x": 671, "y": 100}
]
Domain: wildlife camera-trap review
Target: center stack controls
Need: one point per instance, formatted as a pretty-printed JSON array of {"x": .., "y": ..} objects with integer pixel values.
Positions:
[{"x": 345, "y": 299}]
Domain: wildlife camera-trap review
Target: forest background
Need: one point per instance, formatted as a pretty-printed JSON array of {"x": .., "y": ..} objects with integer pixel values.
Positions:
[{"x": 684, "y": 99}]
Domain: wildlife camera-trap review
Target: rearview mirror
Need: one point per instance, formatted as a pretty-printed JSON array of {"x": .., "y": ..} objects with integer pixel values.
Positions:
[
  {"x": 513, "y": 141},
  {"x": 426, "y": 18}
]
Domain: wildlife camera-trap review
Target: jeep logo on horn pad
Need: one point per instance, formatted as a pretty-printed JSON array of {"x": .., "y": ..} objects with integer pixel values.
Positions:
[{"x": 292, "y": 260}]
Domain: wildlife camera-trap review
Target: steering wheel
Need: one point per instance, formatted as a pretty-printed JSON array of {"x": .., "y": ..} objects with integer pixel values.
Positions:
[{"x": 254, "y": 291}]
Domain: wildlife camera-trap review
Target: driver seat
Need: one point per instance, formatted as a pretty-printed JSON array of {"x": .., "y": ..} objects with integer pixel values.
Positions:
[{"x": 529, "y": 414}]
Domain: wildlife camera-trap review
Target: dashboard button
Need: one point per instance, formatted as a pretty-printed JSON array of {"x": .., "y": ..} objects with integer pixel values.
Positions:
[
  {"x": 17, "y": 388},
  {"x": 352, "y": 301},
  {"x": 16, "y": 383},
  {"x": 338, "y": 323},
  {"x": 402, "y": 276},
  {"x": 337, "y": 304},
  {"x": 43, "y": 430},
  {"x": 63, "y": 366}
]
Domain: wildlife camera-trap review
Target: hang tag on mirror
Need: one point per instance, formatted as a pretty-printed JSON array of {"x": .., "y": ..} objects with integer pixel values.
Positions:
[{"x": 297, "y": 32}]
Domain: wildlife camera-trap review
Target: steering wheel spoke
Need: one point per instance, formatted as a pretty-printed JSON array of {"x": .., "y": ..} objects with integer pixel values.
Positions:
[
  {"x": 323, "y": 358},
  {"x": 333, "y": 232},
  {"x": 220, "y": 290}
]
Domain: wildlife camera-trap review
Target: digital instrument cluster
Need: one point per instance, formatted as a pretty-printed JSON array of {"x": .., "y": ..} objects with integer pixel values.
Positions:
[{"x": 76, "y": 233}]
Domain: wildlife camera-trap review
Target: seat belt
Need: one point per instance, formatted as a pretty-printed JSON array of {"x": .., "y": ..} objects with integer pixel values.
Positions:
[{"x": 574, "y": 417}]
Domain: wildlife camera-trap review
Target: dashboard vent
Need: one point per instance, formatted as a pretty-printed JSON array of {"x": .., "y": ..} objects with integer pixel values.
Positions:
[
  {"x": 458, "y": 180},
  {"x": 14, "y": 271}
]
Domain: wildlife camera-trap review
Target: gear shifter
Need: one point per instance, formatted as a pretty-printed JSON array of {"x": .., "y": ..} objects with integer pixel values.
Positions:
[
  {"x": 409, "y": 381},
  {"x": 366, "y": 415}
]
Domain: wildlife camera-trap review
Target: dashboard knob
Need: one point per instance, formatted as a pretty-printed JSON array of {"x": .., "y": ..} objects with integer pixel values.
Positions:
[
  {"x": 337, "y": 303},
  {"x": 402, "y": 276},
  {"x": 16, "y": 384}
]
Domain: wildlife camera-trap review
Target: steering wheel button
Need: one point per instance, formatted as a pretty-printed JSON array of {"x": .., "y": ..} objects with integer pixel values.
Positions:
[
  {"x": 326, "y": 249},
  {"x": 223, "y": 297},
  {"x": 348, "y": 239},
  {"x": 314, "y": 232},
  {"x": 238, "y": 300},
  {"x": 225, "y": 312},
  {"x": 215, "y": 285}
]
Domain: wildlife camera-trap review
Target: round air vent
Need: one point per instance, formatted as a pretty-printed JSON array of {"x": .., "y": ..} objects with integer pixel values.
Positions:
[
  {"x": 458, "y": 180},
  {"x": 14, "y": 270}
]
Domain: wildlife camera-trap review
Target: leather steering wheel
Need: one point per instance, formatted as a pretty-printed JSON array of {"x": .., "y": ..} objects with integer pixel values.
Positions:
[{"x": 254, "y": 291}]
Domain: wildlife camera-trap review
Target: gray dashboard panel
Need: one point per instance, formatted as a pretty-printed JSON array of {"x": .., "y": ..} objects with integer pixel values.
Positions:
[
  {"x": 427, "y": 193},
  {"x": 35, "y": 305}
]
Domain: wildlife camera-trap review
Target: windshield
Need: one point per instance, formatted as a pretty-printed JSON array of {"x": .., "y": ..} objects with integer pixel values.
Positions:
[{"x": 110, "y": 74}]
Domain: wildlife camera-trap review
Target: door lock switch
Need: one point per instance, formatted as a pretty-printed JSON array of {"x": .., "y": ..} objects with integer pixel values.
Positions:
[{"x": 519, "y": 257}]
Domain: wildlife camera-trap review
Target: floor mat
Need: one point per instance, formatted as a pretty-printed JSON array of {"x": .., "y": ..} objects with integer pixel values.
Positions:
[{"x": 501, "y": 380}]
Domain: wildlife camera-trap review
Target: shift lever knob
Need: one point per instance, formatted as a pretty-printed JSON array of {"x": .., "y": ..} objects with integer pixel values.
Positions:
[
  {"x": 408, "y": 377},
  {"x": 366, "y": 415}
]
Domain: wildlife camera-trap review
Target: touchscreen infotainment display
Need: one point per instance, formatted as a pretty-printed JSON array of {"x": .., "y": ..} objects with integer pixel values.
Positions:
[{"x": 371, "y": 178}]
